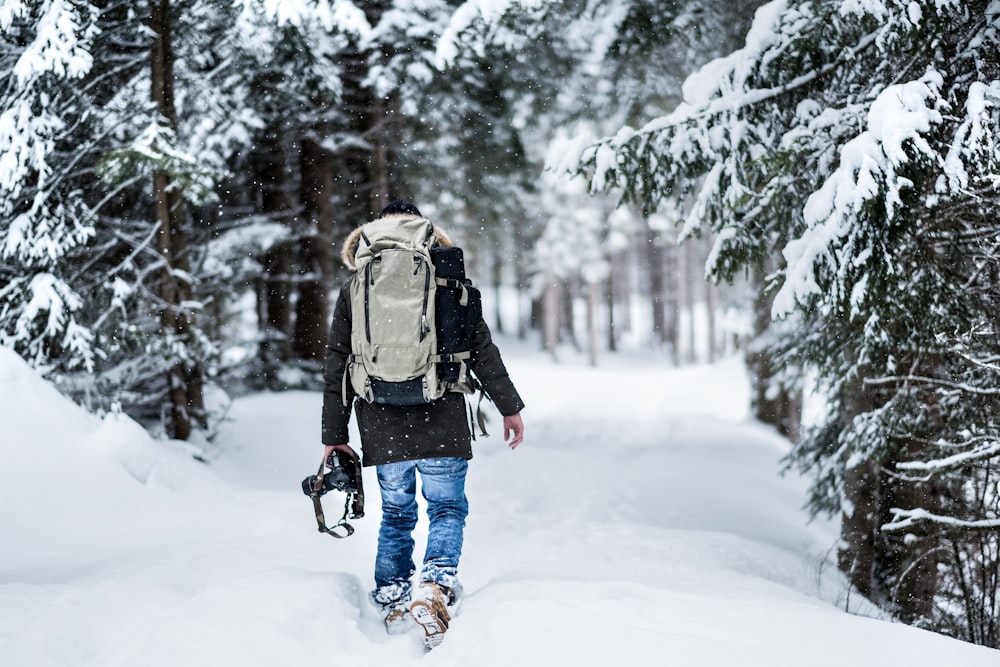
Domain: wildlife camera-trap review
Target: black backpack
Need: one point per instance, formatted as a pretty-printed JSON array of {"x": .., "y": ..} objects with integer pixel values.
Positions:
[{"x": 459, "y": 307}]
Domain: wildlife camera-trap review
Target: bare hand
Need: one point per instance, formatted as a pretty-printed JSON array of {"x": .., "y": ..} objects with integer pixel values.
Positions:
[
  {"x": 343, "y": 449},
  {"x": 513, "y": 430}
]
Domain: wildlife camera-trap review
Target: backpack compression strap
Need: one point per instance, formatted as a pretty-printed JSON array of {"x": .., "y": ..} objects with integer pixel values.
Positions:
[
  {"x": 461, "y": 358},
  {"x": 477, "y": 417},
  {"x": 455, "y": 284}
]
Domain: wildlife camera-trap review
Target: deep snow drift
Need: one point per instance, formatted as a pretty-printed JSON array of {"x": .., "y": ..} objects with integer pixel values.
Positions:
[{"x": 642, "y": 522}]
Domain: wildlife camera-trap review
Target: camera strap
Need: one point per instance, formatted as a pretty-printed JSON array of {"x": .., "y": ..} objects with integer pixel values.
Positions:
[{"x": 347, "y": 528}]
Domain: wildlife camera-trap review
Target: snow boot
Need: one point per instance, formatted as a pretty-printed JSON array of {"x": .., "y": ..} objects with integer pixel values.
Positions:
[
  {"x": 429, "y": 609},
  {"x": 398, "y": 620},
  {"x": 393, "y": 604}
]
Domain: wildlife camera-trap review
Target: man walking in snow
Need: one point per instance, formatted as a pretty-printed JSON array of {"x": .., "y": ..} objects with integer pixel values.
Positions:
[{"x": 432, "y": 439}]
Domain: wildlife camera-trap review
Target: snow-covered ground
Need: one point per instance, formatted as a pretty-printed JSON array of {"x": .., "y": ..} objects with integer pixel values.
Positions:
[{"x": 643, "y": 522}]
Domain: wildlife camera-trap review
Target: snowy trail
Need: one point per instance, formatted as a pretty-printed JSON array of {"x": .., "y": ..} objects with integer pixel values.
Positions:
[{"x": 640, "y": 527}]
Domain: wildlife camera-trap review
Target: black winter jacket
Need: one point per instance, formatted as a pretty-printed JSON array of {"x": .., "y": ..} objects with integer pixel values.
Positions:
[{"x": 390, "y": 433}]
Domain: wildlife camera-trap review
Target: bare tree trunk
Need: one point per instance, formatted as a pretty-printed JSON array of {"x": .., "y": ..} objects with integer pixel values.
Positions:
[
  {"x": 912, "y": 560},
  {"x": 365, "y": 173},
  {"x": 693, "y": 276},
  {"x": 497, "y": 271},
  {"x": 712, "y": 333},
  {"x": 772, "y": 402},
  {"x": 656, "y": 265},
  {"x": 380, "y": 159},
  {"x": 274, "y": 297},
  {"x": 353, "y": 183},
  {"x": 712, "y": 306},
  {"x": 525, "y": 316},
  {"x": 672, "y": 332},
  {"x": 550, "y": 315},
  {"x": 609, "y": 306},
  {"x": 519, "y": 242},
  {"x": 312, "y": 310},
  {"x": 593, "y": 292},
  {"x": 856, "y": 556},
  {"x": 625, "y": 288},
  {"x": 185, "y": 380},
  {"x": 908, "y": 564},
  {"x": 277, "y": 324},
  {"x": 860, "y": 522},
  {"x": 567, "y": 319}
]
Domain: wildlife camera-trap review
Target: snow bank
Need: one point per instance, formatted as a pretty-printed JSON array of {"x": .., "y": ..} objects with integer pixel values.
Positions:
[{"x": 69, "y": 476}]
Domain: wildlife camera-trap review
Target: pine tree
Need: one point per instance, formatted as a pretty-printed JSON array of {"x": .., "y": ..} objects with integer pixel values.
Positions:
[
  {"x": 858, "y": 139},
  {"x": 439, "y": 94},
  {"x": 282, "y": 212},
  {"x": 162, "y": 152},
  {"x": 45, "y": 52},
  {"x": 104, "y": 291},
  {"x": 476, "y": 139},
  {"x": 627, "y": 61}
]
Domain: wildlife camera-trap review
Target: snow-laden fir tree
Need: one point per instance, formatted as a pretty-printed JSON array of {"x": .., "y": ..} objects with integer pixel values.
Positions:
[
  {"x": 281, "y": 212},
  {"x": 854, "y": 142},
  {"x": 45, "y": 53},
  {"x": 169, "y": 110},
  {"x": 635, "y": 55},
  {"x": 122, "y": 124},
  {"x": 457, "y": 88}
]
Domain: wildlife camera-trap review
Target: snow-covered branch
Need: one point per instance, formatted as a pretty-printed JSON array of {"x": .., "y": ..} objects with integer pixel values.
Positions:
[
  {"x": 726, "y": 104},
  {"x": 465, "y": 18},
  {"x": 904, "y": 519},
  {"x": 954, "y": 462},
  {"x": 937, "y": 382}
]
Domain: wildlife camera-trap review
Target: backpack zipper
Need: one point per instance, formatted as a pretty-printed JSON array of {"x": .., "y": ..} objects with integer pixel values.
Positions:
[
  {"x": 424, "y": 329},
  {"x": 369, "y": 281}
]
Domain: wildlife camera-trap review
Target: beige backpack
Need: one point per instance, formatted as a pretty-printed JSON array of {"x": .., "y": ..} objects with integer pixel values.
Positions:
[{"x": 395, "y": 358}]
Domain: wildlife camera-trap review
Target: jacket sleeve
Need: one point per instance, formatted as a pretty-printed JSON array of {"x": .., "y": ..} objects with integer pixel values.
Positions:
[
  {"x": 337, "y": 410},
  {"x": 488, "y": 366}
]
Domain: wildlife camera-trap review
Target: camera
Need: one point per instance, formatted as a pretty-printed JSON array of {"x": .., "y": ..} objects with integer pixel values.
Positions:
[{"x": 338, "y": 478}]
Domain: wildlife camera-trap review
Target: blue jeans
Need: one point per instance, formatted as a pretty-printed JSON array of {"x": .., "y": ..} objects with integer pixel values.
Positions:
[{"x": 443, "y": 486}]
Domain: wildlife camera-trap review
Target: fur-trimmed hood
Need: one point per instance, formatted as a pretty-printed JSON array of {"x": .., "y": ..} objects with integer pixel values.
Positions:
[{"x": 353, "y": 240}]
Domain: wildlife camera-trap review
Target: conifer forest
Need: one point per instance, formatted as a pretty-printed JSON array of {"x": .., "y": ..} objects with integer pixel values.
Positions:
[{"x": 814, "y": 181}]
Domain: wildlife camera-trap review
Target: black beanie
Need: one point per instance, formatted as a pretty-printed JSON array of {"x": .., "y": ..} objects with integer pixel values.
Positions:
[{"x": 399, "y": 206}]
